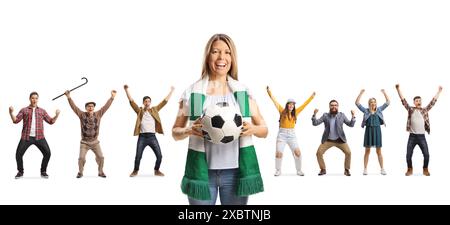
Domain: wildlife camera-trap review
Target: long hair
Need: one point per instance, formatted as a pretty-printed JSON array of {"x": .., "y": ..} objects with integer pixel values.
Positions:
[
  {"x": 225, "y": 38},
  {"x": 368, "y": 102},
  {"x": 285, "y": 113}
]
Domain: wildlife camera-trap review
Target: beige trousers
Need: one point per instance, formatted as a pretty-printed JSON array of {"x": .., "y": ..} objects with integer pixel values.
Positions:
[
  {"x": 327, "y": 145},
  {"x": 95, "y": 147}
]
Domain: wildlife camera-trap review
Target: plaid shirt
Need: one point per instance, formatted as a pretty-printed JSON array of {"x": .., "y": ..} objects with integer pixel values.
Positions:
[
  {"x": 40, "y": 116},
  {"x": 423, "y": 111}
]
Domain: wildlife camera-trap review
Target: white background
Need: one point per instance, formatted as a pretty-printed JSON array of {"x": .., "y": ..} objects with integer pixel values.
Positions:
[{"x": 332, "y": 47}]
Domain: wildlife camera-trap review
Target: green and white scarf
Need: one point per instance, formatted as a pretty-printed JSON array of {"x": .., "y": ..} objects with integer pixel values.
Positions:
[{"x": 195, "y": 182}]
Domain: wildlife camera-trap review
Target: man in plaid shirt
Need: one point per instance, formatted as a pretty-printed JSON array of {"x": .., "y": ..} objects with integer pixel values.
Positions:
[
  {"x": 418, "y": 123},
  {"x": 32, "y": 132}
]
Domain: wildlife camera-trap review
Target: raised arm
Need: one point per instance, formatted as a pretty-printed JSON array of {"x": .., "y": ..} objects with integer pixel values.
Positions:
[
  {"x": 299, "y": 109},
  {"x": 351, "y": 122},
  {"x": 15, "y": 119},
  {"x": 57, "y": 112},
  {"x": 386, "y": 104},
  {"x": 358, "y": 104},
  {"x": 433, "y": 101},
  {"x": 386, "y": 96},
  {"x": 72, "y": 104},
  {"x": 404, "y": 102},
  {"x": 108, "y": 103},
  {"x": 438, "y": 93},
  {"x": 130, "y": 99},
  {"x": 275, "y": 102},
  {"x": 165, "y": 100},
  {"x": 170, "y": 93},
  {"x": 51, "y": 120},
  {"x": 397, "y": 86},
  {"x": 357, "y": 101},
  {"x": 315, "y": 121},
  {"x": 128, "y": 93}
]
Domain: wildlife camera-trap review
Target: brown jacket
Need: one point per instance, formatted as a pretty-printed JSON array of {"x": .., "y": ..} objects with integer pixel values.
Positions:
[{"x": 154, "y": 111}]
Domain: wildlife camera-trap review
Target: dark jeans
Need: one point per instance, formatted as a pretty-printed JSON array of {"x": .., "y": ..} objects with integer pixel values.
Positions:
[
  {"x": 40, "y": 144},
  {"x": 413, "y": 140},
  {"x": 147, "y": 139}
]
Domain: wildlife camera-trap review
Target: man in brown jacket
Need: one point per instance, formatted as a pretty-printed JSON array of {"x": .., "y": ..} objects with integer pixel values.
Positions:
[
  {"x": 147, "y": 124},
  {"x": 90, "y": 127}
]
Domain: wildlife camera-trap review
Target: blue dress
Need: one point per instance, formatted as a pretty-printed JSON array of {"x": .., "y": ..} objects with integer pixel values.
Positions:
[{"x": 372, "y": 134}]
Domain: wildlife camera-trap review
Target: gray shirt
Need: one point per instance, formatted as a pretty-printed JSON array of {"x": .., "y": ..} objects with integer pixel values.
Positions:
[
  {"x": 340, "y": 119},
  {"x": 333, "y": 131}
]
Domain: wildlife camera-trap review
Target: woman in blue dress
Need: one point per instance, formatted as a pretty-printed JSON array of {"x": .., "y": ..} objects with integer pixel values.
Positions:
[{"x": 373, "y": 119}]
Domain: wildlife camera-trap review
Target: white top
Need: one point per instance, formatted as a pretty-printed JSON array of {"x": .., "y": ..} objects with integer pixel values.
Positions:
[
  {"x": 222, "y": 156},
  {"x": 147, "y": 123},
  {"x": 33, "y": 123},
  {"x": 417, "y": 123}
]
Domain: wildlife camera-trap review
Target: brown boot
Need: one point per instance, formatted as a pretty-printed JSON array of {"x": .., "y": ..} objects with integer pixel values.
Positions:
[
  {"x": 426, "y": 172},
  {"x": 158, "y": 173},
  {"x": 134, "y": 173},
  {"x": 409, "y": 172}
]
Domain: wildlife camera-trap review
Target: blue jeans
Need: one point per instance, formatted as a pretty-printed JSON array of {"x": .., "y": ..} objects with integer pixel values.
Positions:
[
  {"x": 224, "y": 183},
  {"x": 413, "y": 140},
  {"x": 144, "y": 140}
]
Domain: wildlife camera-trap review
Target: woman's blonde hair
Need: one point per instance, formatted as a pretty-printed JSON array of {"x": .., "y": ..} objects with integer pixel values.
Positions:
[{"x": 225, "y": 38}]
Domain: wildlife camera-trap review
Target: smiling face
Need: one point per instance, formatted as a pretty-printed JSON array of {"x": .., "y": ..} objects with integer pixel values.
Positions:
[
  {"x": 219, "y": 61},
  {"x": 219, "y": 57},
  {"x": 373, "y": 104},
  {"x": 90, "y": 108},
  {"x": 147, "y": 102},
  {"x": 290, "y": 106},
  {"x": 334, "y": 107}
]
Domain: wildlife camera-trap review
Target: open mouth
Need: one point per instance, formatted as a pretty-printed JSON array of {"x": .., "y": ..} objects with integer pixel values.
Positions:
[{"x": 221, "y": 65}]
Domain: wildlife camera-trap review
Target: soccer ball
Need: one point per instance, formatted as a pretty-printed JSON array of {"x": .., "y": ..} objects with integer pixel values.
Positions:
[{"x": 221, "y": 124}]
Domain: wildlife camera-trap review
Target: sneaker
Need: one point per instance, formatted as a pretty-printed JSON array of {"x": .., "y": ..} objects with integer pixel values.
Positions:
[
  {"x": 44, "y": 175},
  {"x": 19, "y": 175},
  {"x": 383, "y": 172},
  {"x": 134, "y": 173},
  {"x": 365, "y": 172},
  {"x": 102, "y": 175},
  {"x": 158, "y": 173},
  {"x": 79, "y": 175},
  {"x": 300, "y": 173},
  {"x": 277, "y": 173}
]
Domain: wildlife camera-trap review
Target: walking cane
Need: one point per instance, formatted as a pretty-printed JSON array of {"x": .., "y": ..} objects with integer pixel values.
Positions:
[{"x": 85, "y": 82}]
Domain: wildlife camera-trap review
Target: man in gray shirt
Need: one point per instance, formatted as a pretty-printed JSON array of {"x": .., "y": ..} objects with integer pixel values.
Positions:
[{"x": 333, "y": 134}]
